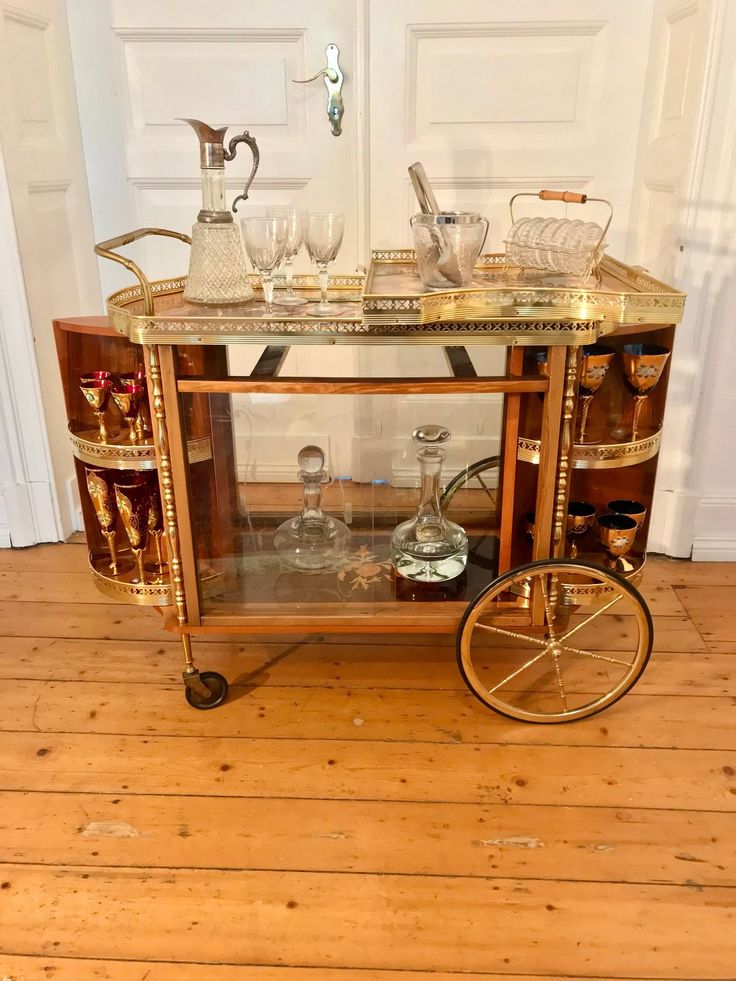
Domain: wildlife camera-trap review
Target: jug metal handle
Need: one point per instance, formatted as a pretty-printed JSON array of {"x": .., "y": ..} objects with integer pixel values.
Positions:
[{"x": 229, "y": 154}]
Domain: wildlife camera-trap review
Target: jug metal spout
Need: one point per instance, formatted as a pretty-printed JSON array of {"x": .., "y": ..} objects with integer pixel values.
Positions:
[{"x": 212, "y": 157}]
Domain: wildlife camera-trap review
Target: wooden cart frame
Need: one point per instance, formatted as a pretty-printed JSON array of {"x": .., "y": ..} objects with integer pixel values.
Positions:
[{"x": 526, "y": 605}]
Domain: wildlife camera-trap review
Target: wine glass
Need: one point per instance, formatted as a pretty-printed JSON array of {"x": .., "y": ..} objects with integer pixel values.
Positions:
[
  {"x": 102, "y": 494},
  {"x": 133, "y": 498},
  {"x": 265, "y": 242},
  {"x": 128, "y": 397},
  {"x": 580, "y": 517},
  {"x": 594, "y": 364},
  {"x": 96, "y": 388},
  {"x": 632, "y": 509},
  {"x": 156, "y": 528},
  {"x": 643, "y": 367},
  {"x": 294, "y": 238},
  {"x": 617, "y": 533},
  {"x": 323, "y": 238},
  {"x": 138, "y": 377}
]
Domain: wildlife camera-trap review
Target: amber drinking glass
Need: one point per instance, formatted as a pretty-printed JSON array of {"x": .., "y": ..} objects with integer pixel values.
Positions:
[
  {"x": 643, "y": 366},
  {"x": 580, "y": 518},
  {"x": 594, "y": 364},
  {"x": 617, "y": 533}
]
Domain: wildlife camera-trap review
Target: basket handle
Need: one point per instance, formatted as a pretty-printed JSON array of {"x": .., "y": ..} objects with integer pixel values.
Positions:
[
  {"x": 104, "y": 249},
  {"x": 569, "y": 197}
]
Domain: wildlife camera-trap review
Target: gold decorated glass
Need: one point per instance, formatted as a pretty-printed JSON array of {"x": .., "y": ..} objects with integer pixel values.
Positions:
[
  {"x": 142, "y": 419},
  {"x": 617, "y": 533},
  {"x": 156, "y": 529},
  {"x": 133, "y": 499},
  {"x": 643, "y": 366},
  {"x": 96, "y": 388},
  {"x": 632, "y": 509},
  {"x": 594, "y": 364},
  {"x": 102, "y": 494},
  {"x": 580, "y": 518},
  {"x": 128, "y": 399}
]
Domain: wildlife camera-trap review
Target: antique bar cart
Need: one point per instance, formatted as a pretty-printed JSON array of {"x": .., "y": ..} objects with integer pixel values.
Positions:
[{"x": 549, "y": 624}]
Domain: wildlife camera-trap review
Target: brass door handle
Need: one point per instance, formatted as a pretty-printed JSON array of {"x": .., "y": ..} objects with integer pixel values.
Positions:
[{"x": 334, "y": 78}]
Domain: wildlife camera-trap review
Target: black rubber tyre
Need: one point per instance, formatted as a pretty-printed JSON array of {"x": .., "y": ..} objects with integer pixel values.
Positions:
[{"x": 216, "y": 684}]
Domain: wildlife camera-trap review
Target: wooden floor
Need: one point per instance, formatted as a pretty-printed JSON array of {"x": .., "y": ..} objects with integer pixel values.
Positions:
[{"x": 352, "y": 812}]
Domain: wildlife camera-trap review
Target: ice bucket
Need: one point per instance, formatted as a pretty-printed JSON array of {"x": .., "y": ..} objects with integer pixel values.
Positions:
[{"x": 447, "y": 247}]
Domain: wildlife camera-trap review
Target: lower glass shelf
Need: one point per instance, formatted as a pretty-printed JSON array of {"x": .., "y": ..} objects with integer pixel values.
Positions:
[{"x": 259, "y": 578}]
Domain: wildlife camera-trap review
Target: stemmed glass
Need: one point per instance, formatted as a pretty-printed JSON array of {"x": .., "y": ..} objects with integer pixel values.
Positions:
[
  {"x": 294, "y": 238},
  {"x": 580, "y": 518},
  {"x": 128, "y": 399},
  {"x": 138, "y": 377},
  {"x": 617, "y": 533},
  {"x": 96, "y": 388},
  {"x": 265, "y": 242},
  {"x": 133, "y": 498},
  {"x": 594, "y": 365},
  {"x": 156, "y": 528},
  {"x": 100, "y": 486},
  {"x": 323, "y": 238},
  {"x": 643, "y": 367}
]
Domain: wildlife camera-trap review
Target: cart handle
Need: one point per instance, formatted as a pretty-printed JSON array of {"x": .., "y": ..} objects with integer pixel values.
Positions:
[{"x": 104, "y": 249}]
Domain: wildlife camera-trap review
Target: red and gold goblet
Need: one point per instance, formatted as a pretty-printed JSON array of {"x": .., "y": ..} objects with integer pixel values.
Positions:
[
  {"x": 156, "y": 530},
  {"x": 127, "y": 397},
  {"x": 101, "y": 489},
  {"x": 142, "y": 421},
  {"x": 97, "y": 388},
  {"x": 133, "y": 499}
]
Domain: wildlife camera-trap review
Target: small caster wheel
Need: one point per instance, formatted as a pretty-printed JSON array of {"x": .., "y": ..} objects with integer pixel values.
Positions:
[{"x": 218, "y": 687}]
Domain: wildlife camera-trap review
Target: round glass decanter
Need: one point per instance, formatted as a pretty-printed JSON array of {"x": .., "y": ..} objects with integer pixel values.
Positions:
[
  {"x": 312, "y": 540},
  {"x": 429, "y": 547}
]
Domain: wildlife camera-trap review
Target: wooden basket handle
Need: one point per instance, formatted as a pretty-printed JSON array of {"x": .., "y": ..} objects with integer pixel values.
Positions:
[{"x": 569, "y": 197}]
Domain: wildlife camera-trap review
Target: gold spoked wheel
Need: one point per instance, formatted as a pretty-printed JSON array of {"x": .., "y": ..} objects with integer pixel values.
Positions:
[{"x": 576, "y": 642}]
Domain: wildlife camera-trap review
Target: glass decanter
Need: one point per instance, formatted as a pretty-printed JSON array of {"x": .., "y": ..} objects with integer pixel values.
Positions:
[
  {"x": 429, "y": 547},
  {"x": 312, "y": 540}
]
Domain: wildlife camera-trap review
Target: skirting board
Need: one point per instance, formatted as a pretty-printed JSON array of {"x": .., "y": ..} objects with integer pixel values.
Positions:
[{"x": 715, "y": 530}]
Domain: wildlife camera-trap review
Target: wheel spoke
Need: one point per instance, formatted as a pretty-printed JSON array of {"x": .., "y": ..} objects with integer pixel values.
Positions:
[
  {"x": 517, "y": 672},
  {"x": 596, "y": 657},
  {"x": 590, "y": 619},
  {"x": 510, "y": 633},
  {"x": 560, "y": 682},
  {"x": 489, "y": 493},
  {"x": 547, "y": 612}
]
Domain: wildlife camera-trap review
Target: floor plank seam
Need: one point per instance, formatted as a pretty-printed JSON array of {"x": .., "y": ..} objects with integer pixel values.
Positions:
[{"x": 367, "y": 873}]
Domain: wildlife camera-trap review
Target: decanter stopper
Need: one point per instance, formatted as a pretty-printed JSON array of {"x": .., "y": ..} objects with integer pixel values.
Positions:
[{"x": 429, "y": 547}]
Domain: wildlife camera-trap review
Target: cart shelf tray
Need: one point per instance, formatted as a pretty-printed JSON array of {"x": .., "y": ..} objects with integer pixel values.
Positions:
[
  {"x": 500, "y": 307},
  {"x": 598, "y": 456},
  {"x": 125, "y": 455}
]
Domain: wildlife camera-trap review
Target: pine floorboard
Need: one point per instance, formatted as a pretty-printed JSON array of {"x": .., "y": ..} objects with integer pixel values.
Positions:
[{"x": 352, "y": 813}]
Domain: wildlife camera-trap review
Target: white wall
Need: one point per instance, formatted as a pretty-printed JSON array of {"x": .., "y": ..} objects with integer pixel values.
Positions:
[{"x": 682, "y": 228}]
